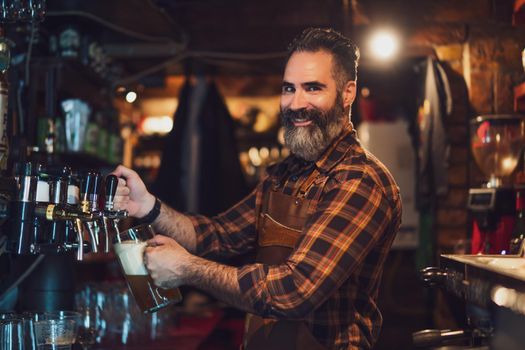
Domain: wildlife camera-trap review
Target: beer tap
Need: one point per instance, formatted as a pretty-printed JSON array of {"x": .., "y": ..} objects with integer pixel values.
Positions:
[
  {"x": 21, "y": 218},
  {"x": 40, "y": 228},
  {"x": 110, "y": 214},
  {"x": 58, "y": 183},
  {"x": 67, "y": 213},
  {"x": 88, "y": 204}
]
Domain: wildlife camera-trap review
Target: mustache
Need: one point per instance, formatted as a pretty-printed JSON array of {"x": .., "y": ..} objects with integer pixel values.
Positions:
[{"x": 288, "y": 116}]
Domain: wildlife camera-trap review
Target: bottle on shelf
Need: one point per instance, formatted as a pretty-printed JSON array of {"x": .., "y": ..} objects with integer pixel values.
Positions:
[
  {"x": 92, "y": 133},
  {"x": 115, "y": 140},
  {"x": 103, "y": 136}
]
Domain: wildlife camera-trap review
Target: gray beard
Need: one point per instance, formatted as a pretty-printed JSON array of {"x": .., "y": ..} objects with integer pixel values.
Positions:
[{"x": 311, "y": 141}]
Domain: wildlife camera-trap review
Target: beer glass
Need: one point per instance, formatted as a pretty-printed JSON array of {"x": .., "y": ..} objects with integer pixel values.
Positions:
[
  {"x": 56, "y": 330},
  {"x": 11, "y": 334},
  {"x": 29, "y": 318},
  {"x": 129, "y": 247}
]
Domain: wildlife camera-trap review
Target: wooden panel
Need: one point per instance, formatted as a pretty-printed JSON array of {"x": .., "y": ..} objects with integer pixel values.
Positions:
[
  {"x": 519, "y": 98},
  {"x": 518, "y": 17}
]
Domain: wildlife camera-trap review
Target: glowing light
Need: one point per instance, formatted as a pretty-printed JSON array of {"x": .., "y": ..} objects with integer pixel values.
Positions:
[
  {"x": 131, "y": 96},
  {"x": 509, "y": 163},
  {"x": 157, "y": 125},
  {"x": 274, "y": 153},
  {"x": 255, "y": 158},
  {"x": 500, "y": 296},
  {"x": 384, "y": 44},
  {"x": 264, "y": 153}
]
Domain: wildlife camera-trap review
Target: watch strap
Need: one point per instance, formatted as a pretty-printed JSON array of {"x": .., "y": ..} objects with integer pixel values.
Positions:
[{"x": 153, "y": 213}]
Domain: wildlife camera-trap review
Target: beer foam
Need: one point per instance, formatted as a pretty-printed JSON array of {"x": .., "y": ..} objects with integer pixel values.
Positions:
[{"x": 131, "y": 256}]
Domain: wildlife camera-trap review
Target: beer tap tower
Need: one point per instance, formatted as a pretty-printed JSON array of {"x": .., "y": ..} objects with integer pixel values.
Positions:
[
  {"x": 27, "y": 232},
  {"x": 47, "y": 219},
  {"x": 44, "y": 223}
]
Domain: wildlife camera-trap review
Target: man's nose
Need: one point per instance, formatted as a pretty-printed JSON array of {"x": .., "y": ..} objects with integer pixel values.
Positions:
[{"x": 298, "y": 101}]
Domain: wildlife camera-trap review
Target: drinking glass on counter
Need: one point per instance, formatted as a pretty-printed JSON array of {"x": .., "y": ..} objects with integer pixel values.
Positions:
[
  {"x": 129, "y": 247},
  {"x": 90, "y": 325},
  {"x": 30, "y": 318},
  {"x": 120, "y": 321},
  {"x": 5, "y": 315},
  {"x": 11, "y": 333},
  {"x": 57, "y": 330}
]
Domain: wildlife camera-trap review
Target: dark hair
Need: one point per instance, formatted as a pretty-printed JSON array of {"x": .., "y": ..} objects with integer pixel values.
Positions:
[{"x": 344, "y": 51}]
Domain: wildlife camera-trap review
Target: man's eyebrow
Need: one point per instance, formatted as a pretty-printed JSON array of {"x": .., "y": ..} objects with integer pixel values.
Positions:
[
  {"x": 287, "y": 83},
  {"x": 314, "y": 84}
]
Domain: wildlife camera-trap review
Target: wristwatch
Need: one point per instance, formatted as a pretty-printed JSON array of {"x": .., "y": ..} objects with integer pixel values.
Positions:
[{"x": 153, "y": 213}]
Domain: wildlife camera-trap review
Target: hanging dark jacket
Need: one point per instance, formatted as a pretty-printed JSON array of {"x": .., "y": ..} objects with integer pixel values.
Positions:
[
  {"x": 200, "y": 170},
  {"x": 433, "y": 148}
]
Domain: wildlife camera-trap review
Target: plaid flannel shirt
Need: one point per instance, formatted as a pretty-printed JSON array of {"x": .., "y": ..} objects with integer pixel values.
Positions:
[{"x": 332, "y": 277}]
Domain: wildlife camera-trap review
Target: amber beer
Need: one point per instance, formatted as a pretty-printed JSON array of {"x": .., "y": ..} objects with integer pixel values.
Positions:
[{"x": 129, "y": 246}]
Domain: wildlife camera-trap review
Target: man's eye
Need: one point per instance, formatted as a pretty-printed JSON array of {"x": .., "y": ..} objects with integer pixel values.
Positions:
[
  {"x": 288, "y": 89},
  {"x": 313, "y": 88}
]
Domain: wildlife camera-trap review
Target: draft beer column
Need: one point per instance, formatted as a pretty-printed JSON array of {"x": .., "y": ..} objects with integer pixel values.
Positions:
[{"x": 43, "y": 223}]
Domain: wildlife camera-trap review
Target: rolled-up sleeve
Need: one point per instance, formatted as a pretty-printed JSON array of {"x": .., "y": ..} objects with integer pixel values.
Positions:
[
  {"x": 228, "y": 234},
  {"x": 348, "y": 221}
]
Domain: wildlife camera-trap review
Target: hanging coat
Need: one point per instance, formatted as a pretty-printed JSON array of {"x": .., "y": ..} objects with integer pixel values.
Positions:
[
  {"x": 434, "y": 148},
  {"x": 200, "y": 170},
  {"x": 433, "y": 154}
]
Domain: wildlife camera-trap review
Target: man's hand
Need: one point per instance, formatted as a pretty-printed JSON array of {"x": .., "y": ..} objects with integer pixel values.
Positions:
[
  {"x": 170, "y": 266},
  {"x": 132, "y": 194},
  {"x": 166, "y": 261}
]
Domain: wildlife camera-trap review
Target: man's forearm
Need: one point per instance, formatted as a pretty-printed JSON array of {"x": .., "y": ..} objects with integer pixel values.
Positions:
[
  {"x": 216, "y": 279},
  {"x": 177, "y": 226}
]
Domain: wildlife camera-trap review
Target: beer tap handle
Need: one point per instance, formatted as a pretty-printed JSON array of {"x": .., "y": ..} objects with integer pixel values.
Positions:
[
  {"x": 95, "y": 190},
  {"x": 86, "y": 183},
  {"x": 111, "y": 190},
  {"x": 89, "y": 187},
  {"x": 110, "y": 212}
]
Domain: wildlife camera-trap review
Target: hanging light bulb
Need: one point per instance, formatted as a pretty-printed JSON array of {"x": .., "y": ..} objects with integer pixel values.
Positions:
[
  {"x": 131, "y": 96},
  {"x": 384, "y": 44}
]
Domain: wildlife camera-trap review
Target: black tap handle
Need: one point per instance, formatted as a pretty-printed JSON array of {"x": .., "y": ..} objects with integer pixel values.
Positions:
[{"x": 111, "y": 187}]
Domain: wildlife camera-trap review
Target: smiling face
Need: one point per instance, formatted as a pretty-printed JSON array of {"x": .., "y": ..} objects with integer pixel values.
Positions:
[{"x": 312, "y": 106}]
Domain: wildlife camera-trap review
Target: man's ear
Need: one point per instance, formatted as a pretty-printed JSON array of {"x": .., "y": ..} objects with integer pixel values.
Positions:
[{"x": 349, "y": 93}]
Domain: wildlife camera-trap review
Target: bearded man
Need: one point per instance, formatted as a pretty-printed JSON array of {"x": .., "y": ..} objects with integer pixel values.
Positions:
[{"x": 321, "y": 222}]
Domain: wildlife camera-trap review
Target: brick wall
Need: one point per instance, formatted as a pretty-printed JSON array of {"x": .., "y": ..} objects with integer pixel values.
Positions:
[{"x": 481, "y": 53}]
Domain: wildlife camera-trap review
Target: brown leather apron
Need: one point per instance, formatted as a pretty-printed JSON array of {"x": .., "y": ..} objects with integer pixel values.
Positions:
[{"x": 279, "y": 225}]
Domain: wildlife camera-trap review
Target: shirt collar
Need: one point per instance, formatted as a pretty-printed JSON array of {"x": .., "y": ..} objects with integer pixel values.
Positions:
[{"x": 337, "y": 149}]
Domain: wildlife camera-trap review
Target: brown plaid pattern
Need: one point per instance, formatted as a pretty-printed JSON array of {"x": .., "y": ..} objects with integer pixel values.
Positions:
[{"x": 331, "y": 279}]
